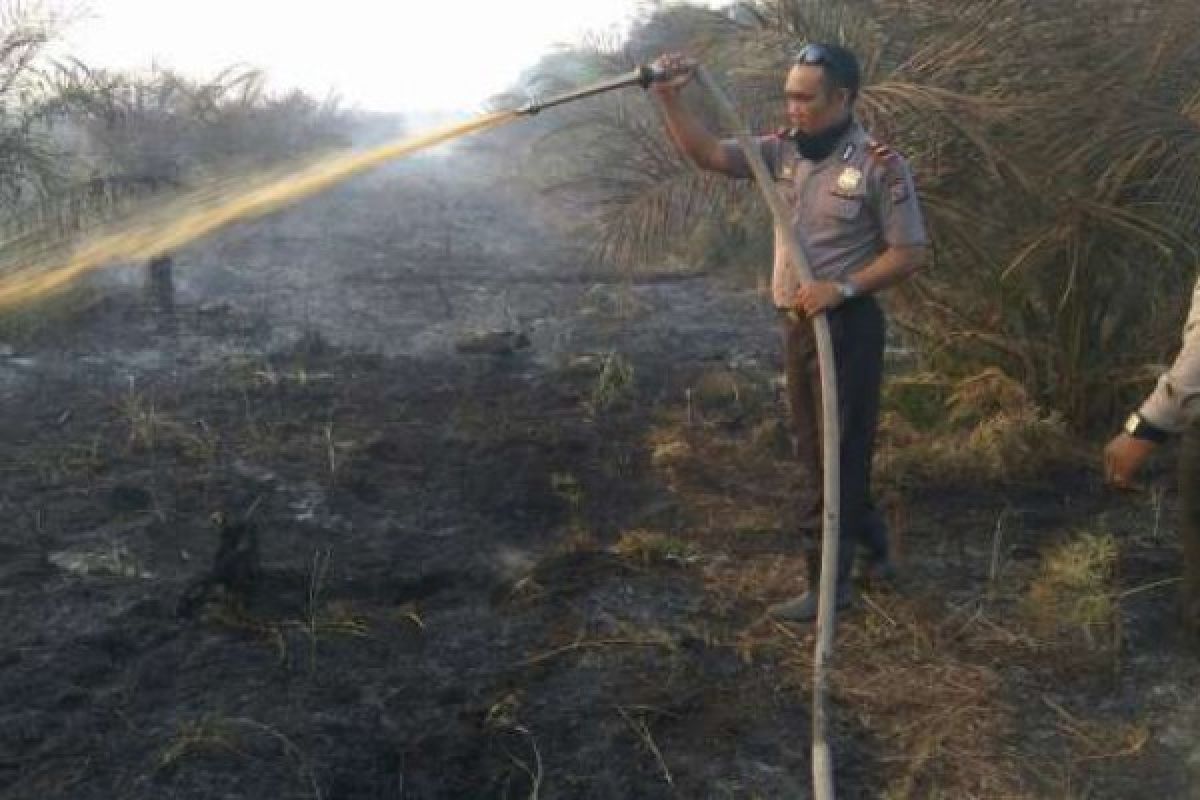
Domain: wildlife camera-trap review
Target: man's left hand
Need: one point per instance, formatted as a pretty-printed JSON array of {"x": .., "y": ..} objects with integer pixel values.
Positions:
[
  {"x": 818, "y": 296},
  {"x": 1123, "y": 457}
]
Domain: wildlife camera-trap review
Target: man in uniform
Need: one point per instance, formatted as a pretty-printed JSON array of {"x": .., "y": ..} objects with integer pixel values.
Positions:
[
  {"x": 1172, "y": 408},
  {"x": 856, "y": 214}
]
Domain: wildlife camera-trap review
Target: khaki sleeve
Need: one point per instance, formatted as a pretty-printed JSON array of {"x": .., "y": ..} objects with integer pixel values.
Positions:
[
  {"x": 768, "y": 146},
  {"x": 1174, "y": 402},
  {"x": 897, "y": 206}
]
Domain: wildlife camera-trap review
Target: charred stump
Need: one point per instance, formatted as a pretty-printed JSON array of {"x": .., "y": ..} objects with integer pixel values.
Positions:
[
  {"x": 160, "y": 284},
  {"x": 235, "y": 570}
]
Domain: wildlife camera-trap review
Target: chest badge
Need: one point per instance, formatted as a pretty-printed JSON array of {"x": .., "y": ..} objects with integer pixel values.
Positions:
[{"x": 849, "y": 180}]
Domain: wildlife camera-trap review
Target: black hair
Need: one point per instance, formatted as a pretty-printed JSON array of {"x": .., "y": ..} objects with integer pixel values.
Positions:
[{"x": 838, "y": 64}]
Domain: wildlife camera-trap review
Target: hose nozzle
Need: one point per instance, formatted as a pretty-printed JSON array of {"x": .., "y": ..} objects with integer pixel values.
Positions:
[
  {"x": 643, "y": 76},
  {"x": 651, "y": 73}
]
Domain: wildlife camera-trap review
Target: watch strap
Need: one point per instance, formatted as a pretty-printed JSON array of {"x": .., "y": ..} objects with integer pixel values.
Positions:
[{"x": 1139, "y": 427}]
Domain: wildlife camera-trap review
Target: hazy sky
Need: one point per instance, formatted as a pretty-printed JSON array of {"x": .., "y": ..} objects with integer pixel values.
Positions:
[{"x": 389, "y": 55}]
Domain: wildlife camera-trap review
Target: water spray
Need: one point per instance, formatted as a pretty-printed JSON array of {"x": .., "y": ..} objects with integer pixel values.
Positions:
[{"x": 30, "y": 275}]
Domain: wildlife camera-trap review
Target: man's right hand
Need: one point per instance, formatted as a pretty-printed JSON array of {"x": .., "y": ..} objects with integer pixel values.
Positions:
[
  {"x": 693, "y": 140},
  {"x": 680, "y": 66}
]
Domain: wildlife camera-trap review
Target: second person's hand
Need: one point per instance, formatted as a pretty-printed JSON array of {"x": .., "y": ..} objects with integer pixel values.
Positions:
[{"x": 1123, "y": 458}]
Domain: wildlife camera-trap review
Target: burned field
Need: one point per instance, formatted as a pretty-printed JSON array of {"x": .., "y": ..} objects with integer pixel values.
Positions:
[{"x": 405, "y": 503}]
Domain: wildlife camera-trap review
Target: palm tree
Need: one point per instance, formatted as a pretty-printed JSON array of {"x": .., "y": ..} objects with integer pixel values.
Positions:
[
  {"x": 129, "y": 139},
  {"x": 1058, "y": 171},
  {"x": 27, "y": 154}
]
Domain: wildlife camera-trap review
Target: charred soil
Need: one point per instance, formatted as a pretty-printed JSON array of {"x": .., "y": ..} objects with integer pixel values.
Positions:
[{"x": 238, "y": 561}]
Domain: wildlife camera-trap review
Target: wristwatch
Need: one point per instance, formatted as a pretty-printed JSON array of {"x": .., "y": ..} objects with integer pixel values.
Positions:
[
  {"x": 847, "y": 289},
  {"x": 1137, "y": 427}
]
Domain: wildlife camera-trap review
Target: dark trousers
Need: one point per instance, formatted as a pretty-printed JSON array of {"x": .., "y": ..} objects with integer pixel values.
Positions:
[
  {"x": 1189, "y": 527},
  {"x": 857, "y": 328}
]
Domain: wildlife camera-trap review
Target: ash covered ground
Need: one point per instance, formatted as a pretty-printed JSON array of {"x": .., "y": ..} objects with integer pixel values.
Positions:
[{"x": 409, "y": 499}]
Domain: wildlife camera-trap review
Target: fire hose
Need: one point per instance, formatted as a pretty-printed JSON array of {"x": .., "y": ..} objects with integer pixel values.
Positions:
[{"x": 644, "y": 76}]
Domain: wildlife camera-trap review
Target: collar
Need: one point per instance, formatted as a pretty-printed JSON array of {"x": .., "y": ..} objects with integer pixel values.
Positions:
[{"x": 842, "y": 143}]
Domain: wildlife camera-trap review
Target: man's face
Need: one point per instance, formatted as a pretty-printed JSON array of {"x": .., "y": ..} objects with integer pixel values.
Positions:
[{"x": 811, "y": 105}]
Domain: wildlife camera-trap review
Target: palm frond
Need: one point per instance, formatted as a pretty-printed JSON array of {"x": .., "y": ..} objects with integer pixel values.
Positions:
[{"x": 1056, "y": 146}]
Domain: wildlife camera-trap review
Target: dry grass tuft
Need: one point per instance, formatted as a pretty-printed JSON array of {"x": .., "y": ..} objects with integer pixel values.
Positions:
[
  {"x": 923, "y": 681},
  {"x": 150, "y": 429},
  {"x": 212, "y": 734},
  {"x": 1019, "y": 446},
  {"x": 1075, "y": 594},
  {"x": 1095, "y": 740},
  {"x": 207, "y": 735},
  {"x": 989, "y": 394},
  {"x": 665, "y": 452},
  {"x": 614, "y": 385},
  {"x": 651, "y": 549},
  {"x": 989, "y": 432}
]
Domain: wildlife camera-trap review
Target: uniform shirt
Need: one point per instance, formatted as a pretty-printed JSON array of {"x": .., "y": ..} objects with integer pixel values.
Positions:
[
  {"x": 846, "y": 210},
  {"x": 1173, "y": 404}
]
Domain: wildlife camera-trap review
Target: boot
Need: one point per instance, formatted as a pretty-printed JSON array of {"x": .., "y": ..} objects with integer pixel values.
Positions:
[
  {"x": 877, "y": 574},
  {"x": 875, "y": 568},
  {"x": 804, "y": 607}
]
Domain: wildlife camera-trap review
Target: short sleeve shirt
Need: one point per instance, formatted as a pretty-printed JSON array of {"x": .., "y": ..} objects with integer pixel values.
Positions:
[{"x": 846, "y": 209}]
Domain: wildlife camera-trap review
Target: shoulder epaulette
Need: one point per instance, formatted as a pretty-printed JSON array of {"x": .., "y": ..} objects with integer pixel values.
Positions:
[{"x": 882, "y": 153}]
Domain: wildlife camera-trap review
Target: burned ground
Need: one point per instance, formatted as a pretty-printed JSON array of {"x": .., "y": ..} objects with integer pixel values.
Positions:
[{"x": 520, "y": 571}]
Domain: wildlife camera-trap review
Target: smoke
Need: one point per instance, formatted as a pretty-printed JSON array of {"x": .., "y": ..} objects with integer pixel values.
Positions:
[{"x": 200, "y": 212}]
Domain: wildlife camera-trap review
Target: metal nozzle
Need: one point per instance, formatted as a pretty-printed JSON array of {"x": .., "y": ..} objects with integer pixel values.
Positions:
[
  {"x": 652, "y": 74},
  {"x": 643, "y": 76},
  {"x": 648, "y": 74}
]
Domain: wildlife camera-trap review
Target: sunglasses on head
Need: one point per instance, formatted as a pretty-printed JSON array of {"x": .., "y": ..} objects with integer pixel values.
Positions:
[{"x": 814, "y": 55}]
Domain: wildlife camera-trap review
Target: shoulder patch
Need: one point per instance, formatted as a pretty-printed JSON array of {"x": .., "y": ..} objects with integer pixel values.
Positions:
[
  {"x": 890, "y": 161},
  {"x": 882, "y": 154}
]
